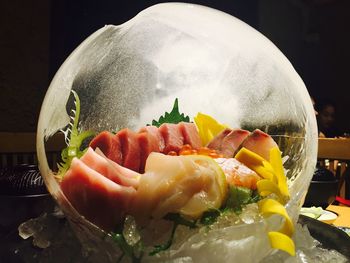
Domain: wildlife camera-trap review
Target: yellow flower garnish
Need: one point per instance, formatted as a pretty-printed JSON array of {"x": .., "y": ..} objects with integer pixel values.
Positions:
[
  {"x": 270, "y": 206},
  {"x": 266, "y": 187},
  {"x": 257, "y": 163},
  {"x": 276, "y": 163},
  {"x": 208, "y": 127},
  {"x": 282, "y": 242}
]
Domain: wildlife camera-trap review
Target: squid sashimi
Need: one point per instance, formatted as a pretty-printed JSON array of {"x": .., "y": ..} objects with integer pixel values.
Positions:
[
  {"x": 111, "y": 170},
  {"x": 95, "y": 197},
  {"x": 237, "y": 173},
  {"x": 189, "y": 185},
  {"x": 260, "y": 143}
]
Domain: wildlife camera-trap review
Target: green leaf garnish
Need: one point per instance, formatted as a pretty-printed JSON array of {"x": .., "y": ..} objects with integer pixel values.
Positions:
[
  {"x": 135, "y": 252},
  {"x": 178, "y": 220},
  {"x": 74, "y": 140},
  {"x": 209, "y": 217},
  {"x": 240, "y": 196},
  {"x": 173, "y": 117}
]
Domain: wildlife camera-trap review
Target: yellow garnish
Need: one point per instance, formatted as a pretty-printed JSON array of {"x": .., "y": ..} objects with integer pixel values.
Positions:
[
  {"x": 266, "y": 187},
  {"x": 208, "y": 127},
  {"x": 276, "y": 163},
  {"x": 249, "y": 158},
  {"x": 257, "y": 163},
  {"x": 263, "y": 172},
  {"x": 282, "y": 242},
  {"x": 269, "y": 206}
]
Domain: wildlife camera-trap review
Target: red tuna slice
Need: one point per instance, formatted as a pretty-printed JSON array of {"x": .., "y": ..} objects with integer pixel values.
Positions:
[
  {"x": 172, "y": 136},
  {"x": 260, "y": 143},
  {"x": 109, "y": 169},
  {"x": 232, "y": 141},
  {"x": 216, "y": 142},
  {"x": 190, "y": 134},
  {"x": 109, "y": 144},
  {"x": 97, "y": 198},
  {"x": 150, "y": 140},
  {"x": 130, "y": 149}
]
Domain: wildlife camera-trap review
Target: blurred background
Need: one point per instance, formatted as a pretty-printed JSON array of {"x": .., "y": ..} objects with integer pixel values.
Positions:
[{"x": 36, "y": 36}]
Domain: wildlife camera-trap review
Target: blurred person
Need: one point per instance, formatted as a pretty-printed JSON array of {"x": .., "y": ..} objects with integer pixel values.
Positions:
[{"x": 326, "y": 119}]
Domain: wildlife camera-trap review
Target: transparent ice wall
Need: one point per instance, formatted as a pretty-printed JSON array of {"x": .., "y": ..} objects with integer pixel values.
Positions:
[{"x": 129, "y": 74}]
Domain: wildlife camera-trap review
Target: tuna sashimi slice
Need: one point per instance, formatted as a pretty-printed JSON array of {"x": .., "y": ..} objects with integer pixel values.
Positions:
[
  {"x": 95, "y": 197},
  {"x": 172, "y": 136},
  {"x": 237, "y": 173},
  {"x": 190, "y": 134},
  {"x": 216, "y": 142},
  {"x": 232, "y": 142},
  {"x": 150, "y": 140},
  {"x": 109, "y": 144},
  {"x": 130, "y": 149},
  {"x": 109, "y": 169},
  {"x": 260, "y": 143}
]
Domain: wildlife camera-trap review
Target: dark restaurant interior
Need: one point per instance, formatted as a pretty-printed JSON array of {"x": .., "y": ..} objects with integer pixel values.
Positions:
[{"x": 37, "y": 36}]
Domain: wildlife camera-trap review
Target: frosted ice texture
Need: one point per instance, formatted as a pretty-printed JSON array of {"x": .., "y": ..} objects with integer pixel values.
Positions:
[{"x": 129, "y": 74}]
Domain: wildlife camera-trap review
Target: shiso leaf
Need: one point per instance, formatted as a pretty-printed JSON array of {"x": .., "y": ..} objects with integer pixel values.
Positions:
[
  {"x": 134, "y": 252},
  {"x": 209, "y": 217},
  {"x": 178, "y": 220},
  {"x": 239, "y": 197},
  {"x": 74, "y": 140},
  {"x": 173, "y": 117}
]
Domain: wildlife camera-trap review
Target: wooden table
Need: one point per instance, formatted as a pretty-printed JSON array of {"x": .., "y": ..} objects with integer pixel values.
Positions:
[{"x": 343, "y": 212}]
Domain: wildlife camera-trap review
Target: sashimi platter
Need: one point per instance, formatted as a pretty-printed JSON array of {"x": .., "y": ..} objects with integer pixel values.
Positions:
[{"x": 189, "y": 138}]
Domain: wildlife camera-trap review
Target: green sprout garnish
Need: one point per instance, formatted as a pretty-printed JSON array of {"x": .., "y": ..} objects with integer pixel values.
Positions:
[
  {"x": 74, "y": 139},
  {"x": 173, "y": 117}
]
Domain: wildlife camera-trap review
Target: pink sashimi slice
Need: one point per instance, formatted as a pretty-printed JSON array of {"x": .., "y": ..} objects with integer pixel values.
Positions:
[
  {"x": 130, "y": 149},
  {"x": 190, "y": 134},
  {"x": 237, "y": 173},
  {"x": 172, "y": 137},
  {"x": 260, "y": 143},
  {"x": 109, "y": 144},
  {"x": 95, "y": 197},
  {"x": 150, "y": 140},
  {"x": 232, "y": 142},
  {"x": 111, "y": 170},
  {"x": 216, "y": 142}
]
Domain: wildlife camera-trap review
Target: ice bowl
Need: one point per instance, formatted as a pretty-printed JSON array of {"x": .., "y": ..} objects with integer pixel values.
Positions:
[{"x": 129, "y": 74}]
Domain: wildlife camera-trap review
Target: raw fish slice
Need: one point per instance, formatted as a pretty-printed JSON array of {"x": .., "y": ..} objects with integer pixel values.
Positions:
[
  {"x": 237, "y": 173},
  {"x": 190, "y": 134},
  {"x": 109, "y": 144},
  {"x": 111, "y": 170},
  {"x": 216, "y": 142},
  {"x": 97, "y": 198},
  {"x": 154, "y": 132},
  {"x": 259, "y": 142},
  {"x": 171, "y": 182},
  {"x": 232, "y": 142},
  {"x": 172, "y": 137},
  {"x": 130, "y": 149},
  {"x": 150, "y": 140}
]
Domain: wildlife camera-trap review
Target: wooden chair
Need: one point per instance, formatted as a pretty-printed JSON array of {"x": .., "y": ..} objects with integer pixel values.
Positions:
[
  {"x": 334, "y": 154},
  {"x": 20, "y": 148}
]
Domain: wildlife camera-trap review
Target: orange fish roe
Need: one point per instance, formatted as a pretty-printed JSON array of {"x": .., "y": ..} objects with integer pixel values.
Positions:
[
  {"x": 172, "y": 153},
  {"x": 188, "y": 150}
]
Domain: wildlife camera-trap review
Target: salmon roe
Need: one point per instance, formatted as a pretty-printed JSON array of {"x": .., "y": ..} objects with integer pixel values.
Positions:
[{"x": 188, "y": 150}]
